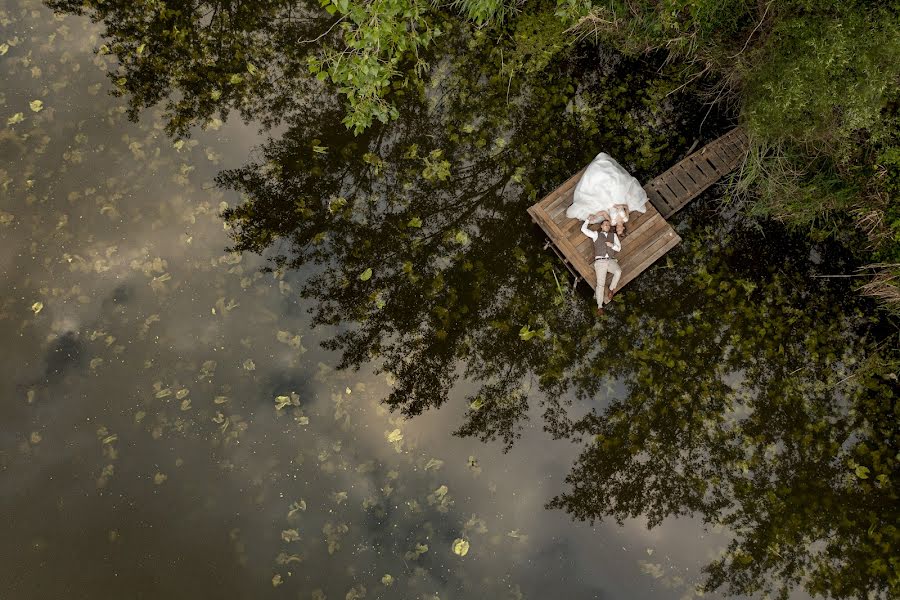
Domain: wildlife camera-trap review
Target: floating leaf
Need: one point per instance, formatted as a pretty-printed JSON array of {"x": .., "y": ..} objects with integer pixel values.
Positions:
[
  {"x": 16, "y": 118},
  {"x": 276, "y": 580},
  {"x": 284, "y": 558},
  {"x": 387, "y": 580},
  {"x": 295, "y": 507},
  {"x": 394, "y": 436},
  {"x": 36, "y": 105},
  {"x": 282, "y": 401},
  {"x": 526, "y": 333},
  {"x": 249, "y": 365},
  {"x": 235, "y": 79},
  {"x": 414, "y": 222},
  {"x": 160, "y": 478},
  {"x": 460, "y": 547},
  {"x": 290, "y": 535},
  {"x": 366, "y": 275},
  {"x": 434, "y": 463},
  {"x": 862, "y": 472},
  {"x": 37, "y": 307}
]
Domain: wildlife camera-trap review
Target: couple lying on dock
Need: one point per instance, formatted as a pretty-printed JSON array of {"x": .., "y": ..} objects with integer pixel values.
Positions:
[{"x": 605, "y": 196}]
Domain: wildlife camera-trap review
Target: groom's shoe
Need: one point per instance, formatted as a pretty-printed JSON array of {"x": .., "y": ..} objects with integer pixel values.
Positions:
[{"x": 609, "y": 296}]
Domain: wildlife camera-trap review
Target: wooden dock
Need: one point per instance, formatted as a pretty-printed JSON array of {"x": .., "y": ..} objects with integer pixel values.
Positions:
[{"x": 648, "y": 235}]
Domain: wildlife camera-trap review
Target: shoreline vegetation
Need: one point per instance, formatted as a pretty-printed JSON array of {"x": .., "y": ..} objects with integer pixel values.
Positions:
[{"x": 768, "y": 409}]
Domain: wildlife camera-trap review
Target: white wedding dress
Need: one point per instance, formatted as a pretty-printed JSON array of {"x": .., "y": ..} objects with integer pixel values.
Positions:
[{"x": 605, "y": 184}]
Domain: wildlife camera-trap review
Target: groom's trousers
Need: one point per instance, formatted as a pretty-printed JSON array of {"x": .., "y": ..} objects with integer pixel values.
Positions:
[{"x": 601, "y": 267}]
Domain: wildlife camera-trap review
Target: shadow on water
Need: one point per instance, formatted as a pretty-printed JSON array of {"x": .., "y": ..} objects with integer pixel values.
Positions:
[{"x": 729, "y": 384}]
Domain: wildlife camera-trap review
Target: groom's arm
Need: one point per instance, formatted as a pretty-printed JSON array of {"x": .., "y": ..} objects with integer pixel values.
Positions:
[{"x": 588, "y": 232}]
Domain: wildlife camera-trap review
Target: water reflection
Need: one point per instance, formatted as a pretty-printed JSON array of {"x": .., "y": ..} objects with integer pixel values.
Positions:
[{"x": 208, "y": 431}]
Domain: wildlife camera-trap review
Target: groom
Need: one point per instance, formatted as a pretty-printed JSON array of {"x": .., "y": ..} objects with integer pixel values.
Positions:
[{"x": 606, "y": 247}]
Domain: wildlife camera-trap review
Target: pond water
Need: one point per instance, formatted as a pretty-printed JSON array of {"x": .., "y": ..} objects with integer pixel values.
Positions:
[{"x": 176, "y": 421}]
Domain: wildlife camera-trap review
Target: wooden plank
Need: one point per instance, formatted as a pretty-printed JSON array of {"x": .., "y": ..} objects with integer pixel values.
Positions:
[
  {"x": 661, "y": 245},
  {"x": 661, "y": 251},
  {"x": 552, "y": 230},
  {"x": 696, "y": 175},
  {"x": 676, "y": 186},
  {"x": 667, "y": 194},
  {"x": 713, "y": 158},
  {"x": 686, "y": 181},
  {"x": 651, "y": 244},
  {"x": 638, "y": 262},
  {"x": 736, "y": 147},
  {"x": 653, "y": 228},
  {"x": 559, "y": 199},
  {"x": 727, "y": 151},
  {"x": 656, "y": 200},
  {"x": 558, "y": 214},
  {"x": 563, "y": 187},
  {"x": 552, "y": 199},
  {"x": 677, "y": 189},
  {"x": 704, "y": 167},
  {"x": 739, "y": 146}
]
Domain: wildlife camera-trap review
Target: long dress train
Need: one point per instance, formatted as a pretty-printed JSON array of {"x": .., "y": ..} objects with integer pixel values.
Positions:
[{"x": 605, "y": 184}]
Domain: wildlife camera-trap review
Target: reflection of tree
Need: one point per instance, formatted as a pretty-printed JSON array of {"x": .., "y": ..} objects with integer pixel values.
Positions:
[
  {"x": 754, "y": 414},
  {"x": 422, "y": 238},
  {"x": 209, "y": 57},
  {"x": 749, "y": 400},
  {"x": 739, "y": 401}
]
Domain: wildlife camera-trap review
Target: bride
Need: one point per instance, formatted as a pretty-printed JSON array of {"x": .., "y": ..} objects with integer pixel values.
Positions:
[{"x": 606, "y": 190}]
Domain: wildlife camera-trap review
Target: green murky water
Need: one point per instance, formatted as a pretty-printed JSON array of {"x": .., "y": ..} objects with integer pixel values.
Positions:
[{"x": 178, "y": 421}]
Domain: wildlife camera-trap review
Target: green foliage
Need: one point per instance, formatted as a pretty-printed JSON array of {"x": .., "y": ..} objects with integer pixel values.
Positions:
[
  {"x": 823, "y": 78},
  {"x": 483, "y": 12},
  {"x": 376, "y": 38},
  {"x": 785, "y": 456}
]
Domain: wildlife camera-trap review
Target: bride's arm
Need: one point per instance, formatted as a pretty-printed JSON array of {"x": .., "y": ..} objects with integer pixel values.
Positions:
[{"x": 598, "y": 216}]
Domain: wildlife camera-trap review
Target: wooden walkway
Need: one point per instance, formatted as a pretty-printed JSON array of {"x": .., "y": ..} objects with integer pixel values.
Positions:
[{"x": 648, "y": 235}]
